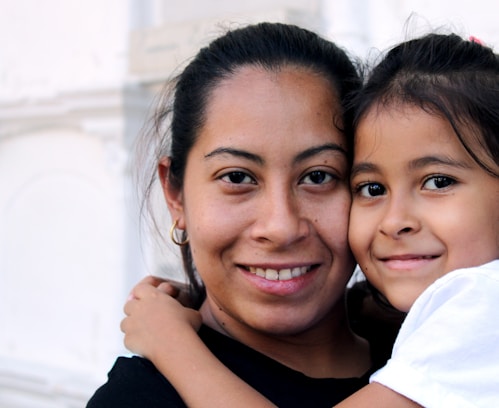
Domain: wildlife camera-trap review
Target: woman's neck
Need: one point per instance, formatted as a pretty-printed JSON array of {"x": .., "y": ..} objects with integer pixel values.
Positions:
[{"x": 329, "y": 349}]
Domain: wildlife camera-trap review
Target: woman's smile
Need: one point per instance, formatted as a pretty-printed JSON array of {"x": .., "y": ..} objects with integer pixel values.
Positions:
[{"x": 278, "y": 274}]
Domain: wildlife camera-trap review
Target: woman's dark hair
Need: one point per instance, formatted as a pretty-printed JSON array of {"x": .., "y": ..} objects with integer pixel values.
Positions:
[
  {"x": 447, "y": 76},
  {"x": 270, "y": 46}
]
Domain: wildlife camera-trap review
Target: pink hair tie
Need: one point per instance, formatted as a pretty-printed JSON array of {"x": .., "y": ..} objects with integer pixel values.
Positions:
[{"x": 475, "y": 40}]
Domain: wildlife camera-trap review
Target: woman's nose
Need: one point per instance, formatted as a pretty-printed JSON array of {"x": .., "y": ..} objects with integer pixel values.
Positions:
[{"x": 281, "y": 221}]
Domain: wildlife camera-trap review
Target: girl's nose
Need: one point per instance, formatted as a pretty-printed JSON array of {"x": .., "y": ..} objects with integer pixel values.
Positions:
[{"x": 399, "y": 219}]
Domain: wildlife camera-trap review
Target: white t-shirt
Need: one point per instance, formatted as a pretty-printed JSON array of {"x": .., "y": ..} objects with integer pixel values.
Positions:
[{"x": 446, "y": 354}]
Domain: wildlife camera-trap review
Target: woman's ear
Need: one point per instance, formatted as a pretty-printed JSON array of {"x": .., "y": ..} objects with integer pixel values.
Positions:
[{"x": 173, "y": 194}]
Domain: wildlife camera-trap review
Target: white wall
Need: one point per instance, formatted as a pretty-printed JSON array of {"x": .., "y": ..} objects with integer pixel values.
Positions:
[
  {"x": 363, "y": 25},
  {"x": 76, "y": 81}
]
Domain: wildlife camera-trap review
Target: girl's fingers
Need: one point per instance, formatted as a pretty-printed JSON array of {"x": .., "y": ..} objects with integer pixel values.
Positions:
[
  {"x": 147, "y": 281},
  {"x": 169, "y": 289},
  {"x": 129, "y": 306},
  {"x": 143, "y": 289},
  {"x": 123, "y": 324},
  {"x": 152, "y": 280}
]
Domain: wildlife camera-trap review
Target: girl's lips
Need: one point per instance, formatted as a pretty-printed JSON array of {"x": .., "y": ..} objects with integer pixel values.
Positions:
[{"x": 407, "y": 261}]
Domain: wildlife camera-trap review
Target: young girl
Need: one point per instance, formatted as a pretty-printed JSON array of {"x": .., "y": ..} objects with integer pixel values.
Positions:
[{"x": 424, "y": 228}]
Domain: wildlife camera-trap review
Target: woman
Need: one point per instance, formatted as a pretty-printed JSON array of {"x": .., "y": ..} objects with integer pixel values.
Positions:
[{"x": 257, "y": 181}]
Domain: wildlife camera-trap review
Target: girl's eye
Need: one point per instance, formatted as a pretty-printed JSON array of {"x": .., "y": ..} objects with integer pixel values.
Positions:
[
  {"x": 371, "y": 190},
  {"x": 237, "y": 177},
  {"x": 317, "y": 177},
  {"x": 438, "y": 182}
]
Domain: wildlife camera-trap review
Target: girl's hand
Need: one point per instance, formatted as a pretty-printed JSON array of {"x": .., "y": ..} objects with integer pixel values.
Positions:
[
  {"x": 155, "y": 321},
  {"x": 159, "y": 328},
  {"x": 175, "y": 289}
]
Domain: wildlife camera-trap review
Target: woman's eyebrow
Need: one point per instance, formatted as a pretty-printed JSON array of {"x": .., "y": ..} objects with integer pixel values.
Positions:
[
  {"x": 235, "y": 152},
  {"x": 319, "y": 149},
  {"x": 259, "y": 160}
]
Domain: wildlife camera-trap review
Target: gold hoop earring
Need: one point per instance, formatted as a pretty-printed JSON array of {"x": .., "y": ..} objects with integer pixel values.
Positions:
[{"x": 173, "y": 235}]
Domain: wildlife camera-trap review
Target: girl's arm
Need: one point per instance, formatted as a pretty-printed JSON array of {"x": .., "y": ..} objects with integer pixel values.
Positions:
[
  {"x": 159, "y": 328},
  {"x": 376, "y": 395}
]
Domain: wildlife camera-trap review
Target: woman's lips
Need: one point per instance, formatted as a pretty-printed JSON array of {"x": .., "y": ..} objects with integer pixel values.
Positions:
[
  {"x": 281, "y": 281},
  {"x": 279, "y": 274}
]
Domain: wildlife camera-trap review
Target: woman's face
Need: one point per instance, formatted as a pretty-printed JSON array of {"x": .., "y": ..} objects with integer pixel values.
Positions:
[{"x": 265, "y": 202}]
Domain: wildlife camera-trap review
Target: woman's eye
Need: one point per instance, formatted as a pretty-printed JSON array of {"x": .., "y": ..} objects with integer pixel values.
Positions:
[
  {"x": 237, "y": 177},
  {"x": 371, "y": 190},
  {"x": 438, "y": 182},
  {"x": 317, "y": 177}
]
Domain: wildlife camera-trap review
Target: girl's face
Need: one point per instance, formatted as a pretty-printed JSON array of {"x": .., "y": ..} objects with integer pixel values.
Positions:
[
  {"x": 421, "y": 206},
  {"x": 265, "y": 202}
]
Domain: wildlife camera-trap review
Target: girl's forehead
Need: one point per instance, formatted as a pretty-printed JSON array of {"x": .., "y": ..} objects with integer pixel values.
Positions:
[
  {"x": 383, "y": 115},
  {"x": 461, "y": 132},
  {"x": 385, "y": 128}
]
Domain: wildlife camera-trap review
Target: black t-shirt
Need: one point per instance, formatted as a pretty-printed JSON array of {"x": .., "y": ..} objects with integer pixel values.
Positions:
[{"x": 135, "y": 383}]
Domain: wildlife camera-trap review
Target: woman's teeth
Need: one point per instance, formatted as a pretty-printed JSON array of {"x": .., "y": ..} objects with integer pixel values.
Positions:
[{"x": 282, "y": 274}]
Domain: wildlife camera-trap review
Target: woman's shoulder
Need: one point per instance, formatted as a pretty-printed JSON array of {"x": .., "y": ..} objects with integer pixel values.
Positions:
[
  {"x": 134, "y": 368},
  {"x": 135, "y": 382}
]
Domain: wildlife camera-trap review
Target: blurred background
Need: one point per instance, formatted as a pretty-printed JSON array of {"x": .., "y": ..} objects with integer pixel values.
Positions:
[{"x": 77, "y": 80}]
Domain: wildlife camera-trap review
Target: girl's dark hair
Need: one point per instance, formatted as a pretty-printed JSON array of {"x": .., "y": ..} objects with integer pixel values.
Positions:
[
  {"x": 270, "y": 46},
  {"x": 448, "y": 76}
]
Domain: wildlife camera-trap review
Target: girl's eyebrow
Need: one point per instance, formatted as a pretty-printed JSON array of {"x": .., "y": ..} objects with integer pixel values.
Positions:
[
  {"x": 259, "y": 160},
  {"x": 435, "y": 160},
  {"x": 363, "y": 167},
  {"x": 419, "y": 163}
]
